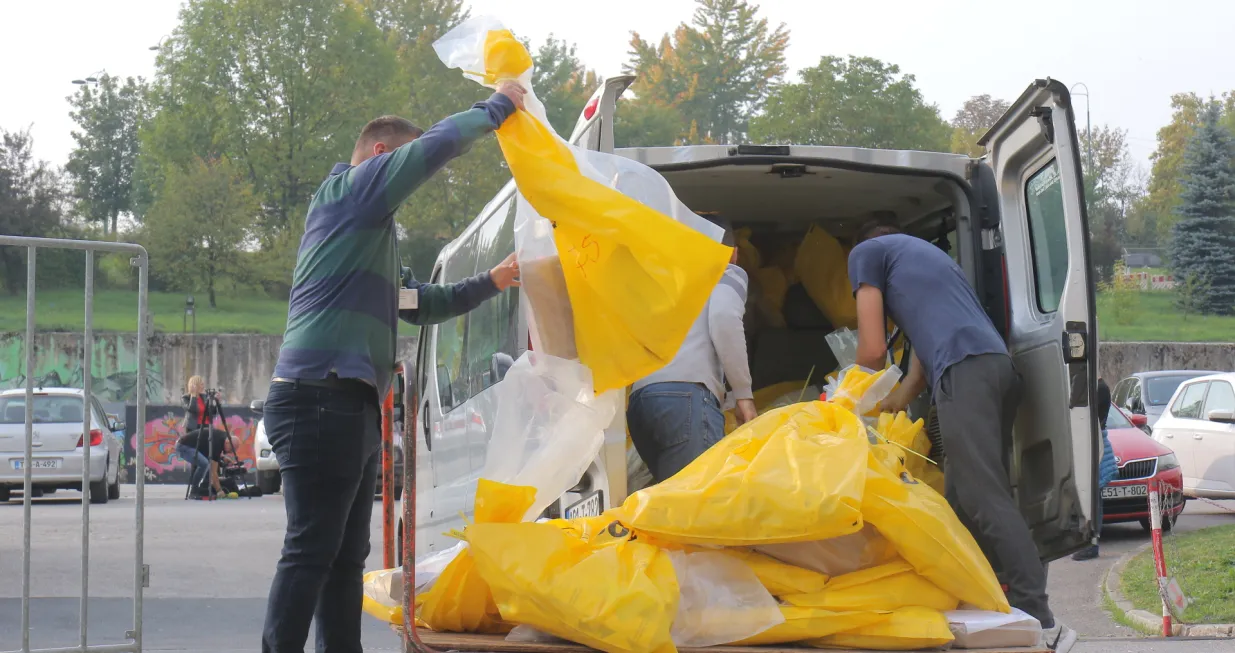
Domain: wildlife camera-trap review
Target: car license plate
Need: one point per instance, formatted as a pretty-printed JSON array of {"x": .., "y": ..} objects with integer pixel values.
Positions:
[
  {"x": 588, "y": 506},
  {"x": 1125, "y": 491},
  {"x": 40, "y": 463}
]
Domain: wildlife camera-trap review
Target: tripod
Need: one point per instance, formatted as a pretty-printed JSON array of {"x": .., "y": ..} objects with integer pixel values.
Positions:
[{"x": 212, "y": 408}]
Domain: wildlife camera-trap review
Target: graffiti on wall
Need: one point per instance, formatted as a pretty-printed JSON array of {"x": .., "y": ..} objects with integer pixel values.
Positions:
[
  {"x": 58, "y": 362},
  {"x": 163, "y": 429}
]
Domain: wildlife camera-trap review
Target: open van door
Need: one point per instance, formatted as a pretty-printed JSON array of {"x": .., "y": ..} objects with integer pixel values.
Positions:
[
  {"x": 1042, "y": 230},
  {"x": 594, "y": 129}
]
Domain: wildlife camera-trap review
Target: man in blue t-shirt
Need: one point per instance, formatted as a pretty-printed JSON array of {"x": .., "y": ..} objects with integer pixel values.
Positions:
[{"x": 958, "y": 352}]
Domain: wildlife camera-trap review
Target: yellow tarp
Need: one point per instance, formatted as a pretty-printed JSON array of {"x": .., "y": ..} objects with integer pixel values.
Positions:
[
  {"x": 778, "y": 577},
  {"x": 907, "y": 629},
  {"x": 886, "y": 587},
  {"x": 637, "y": 279}
]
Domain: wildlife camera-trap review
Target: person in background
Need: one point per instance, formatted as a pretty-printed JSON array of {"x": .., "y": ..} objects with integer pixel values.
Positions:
[
  {"x": 201, "y": 446},
  {"x": 957, "y": 352},
  {"x": 1108, "y": 469},
  {"x": 674, "y": 414},
  {"x": 322, "y": 412}
]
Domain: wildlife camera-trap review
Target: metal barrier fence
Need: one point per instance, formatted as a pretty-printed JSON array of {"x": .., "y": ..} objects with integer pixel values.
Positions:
[{"x": 141, "y": 261}]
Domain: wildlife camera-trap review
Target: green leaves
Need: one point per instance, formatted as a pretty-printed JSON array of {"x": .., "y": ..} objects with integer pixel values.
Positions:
[
  {"x": 102, "y": 164},
  {"x": 859, "y": 102}
]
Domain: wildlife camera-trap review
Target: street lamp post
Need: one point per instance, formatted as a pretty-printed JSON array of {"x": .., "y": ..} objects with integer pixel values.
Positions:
[
  {"x": 1088, "y": 128},
  {"x": 92, "y": 79}
]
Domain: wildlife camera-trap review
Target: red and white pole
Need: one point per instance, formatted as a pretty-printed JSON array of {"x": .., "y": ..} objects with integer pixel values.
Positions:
[{"x": 1155, "y": 522}]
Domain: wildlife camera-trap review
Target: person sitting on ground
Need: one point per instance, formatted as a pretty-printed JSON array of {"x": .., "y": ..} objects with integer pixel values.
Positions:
[
  {"x": 201, "y": 445},
  {"x": 1108, "y": 469},
  {"x": 674, "y": 414}
]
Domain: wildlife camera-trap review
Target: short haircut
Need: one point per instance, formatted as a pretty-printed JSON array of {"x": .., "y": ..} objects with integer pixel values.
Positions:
[
  {"x": 882, "y": 225},
  {"x": 387, "y": 129}
]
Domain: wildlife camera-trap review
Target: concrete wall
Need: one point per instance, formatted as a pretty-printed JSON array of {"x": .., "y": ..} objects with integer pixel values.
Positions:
[{"x": 241, "y": 365}]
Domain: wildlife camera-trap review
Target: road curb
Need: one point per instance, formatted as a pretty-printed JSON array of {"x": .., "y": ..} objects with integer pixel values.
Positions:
[{"x": 1146, "y": 621}]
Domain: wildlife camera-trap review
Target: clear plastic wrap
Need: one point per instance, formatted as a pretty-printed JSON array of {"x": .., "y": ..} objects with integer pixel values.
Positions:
[{"x": 722, "y": 601}]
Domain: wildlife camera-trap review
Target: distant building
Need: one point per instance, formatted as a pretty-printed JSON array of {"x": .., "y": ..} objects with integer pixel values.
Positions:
[{"x": 1142, "y": 257}]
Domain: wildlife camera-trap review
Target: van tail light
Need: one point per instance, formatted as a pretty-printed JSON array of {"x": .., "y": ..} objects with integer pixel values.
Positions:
[
  {"x": 590, "y": 109},
  {"x": 96, "y": 438}
]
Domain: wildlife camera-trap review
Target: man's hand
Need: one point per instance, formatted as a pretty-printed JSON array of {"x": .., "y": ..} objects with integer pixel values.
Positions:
[
  {"x": 896, "y": 401},
  {"x": 513, "y": 91},
  {"x": 745, "y": 411},
  {"x": 506, "y": 274}
]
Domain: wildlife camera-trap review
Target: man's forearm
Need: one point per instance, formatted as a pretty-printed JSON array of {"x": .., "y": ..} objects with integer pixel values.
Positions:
[{"x": 437, "y": 303}]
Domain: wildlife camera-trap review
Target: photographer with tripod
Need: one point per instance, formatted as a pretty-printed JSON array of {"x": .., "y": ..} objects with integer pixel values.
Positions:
[{"x": 201, "y": 445}]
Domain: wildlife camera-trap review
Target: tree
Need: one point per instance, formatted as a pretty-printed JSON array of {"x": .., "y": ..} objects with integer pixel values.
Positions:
[
  {"x": 860, "y": 102},
  {"x": 281, "y": 89},
  {"x": 30, "y": 202},
  {"x": 102, "y": 164},
  {"x": 645, "y": 123},
  {"x": 1203, "y": 236},
  {"x": 975, "y": 116},
  {"x": 1113, "y": 187},
  {"x": 562, "y": 83},
  {"x": 199, "y": 225},
  {"x": 717, "y": 71}
]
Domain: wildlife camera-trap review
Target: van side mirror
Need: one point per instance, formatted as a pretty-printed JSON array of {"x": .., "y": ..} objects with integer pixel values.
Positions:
[
  {"x": 1222, "y": 416},
  {"x": 499, "y": 365},
  {"x": 114, "y": 424},
  {"x": 258, "y": 405},
  {"x": 1139, "y": 421}
]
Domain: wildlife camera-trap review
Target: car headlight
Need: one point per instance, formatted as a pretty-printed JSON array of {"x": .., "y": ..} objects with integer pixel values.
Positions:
[{"x": 1168, "y": 461}]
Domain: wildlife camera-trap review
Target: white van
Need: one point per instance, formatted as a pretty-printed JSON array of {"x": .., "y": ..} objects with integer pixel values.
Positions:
[{"x": 1014, "y": 219}]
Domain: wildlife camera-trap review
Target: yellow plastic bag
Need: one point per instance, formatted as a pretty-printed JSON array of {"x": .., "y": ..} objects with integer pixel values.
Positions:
[
  {"x": 773, "y": 286},
  {"x": 836, "y": 556},
  {"x": 860, "y": 391},
  {"x": 765, "y": 396},
  {"x": 383, "y": 595},
  {"x": 792, "y": 475},
  {"x": 779, "y": 578},
  {"x": 749, "y": 258},
  {"x": 911, "y": 435},
  {"x": 907, "y": 629},
  {"x": 610, "y": 592},
  {"x": 886, "y": 587},
  {"x": 637, "y": 279},
  {"x": 813, "y": 623},
  {"x": 927, "y": 533},
  {"x": 822, "y": 265}
]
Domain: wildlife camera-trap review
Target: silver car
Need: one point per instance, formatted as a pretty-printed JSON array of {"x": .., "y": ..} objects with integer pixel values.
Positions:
[{"x": 58, "y": 443}]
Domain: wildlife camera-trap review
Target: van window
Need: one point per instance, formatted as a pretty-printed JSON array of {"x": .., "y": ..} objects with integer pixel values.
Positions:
[
  {"x": 1188, "y": 405},
  {"x": 1048, "y": 235},
  {"x": 452, "y": 383},
  {"x": 1220, "y": 397},
  {"x": 493, "y": 326}
]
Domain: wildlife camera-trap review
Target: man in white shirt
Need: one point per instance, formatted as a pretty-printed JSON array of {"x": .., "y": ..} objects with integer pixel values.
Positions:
[{"x": 674, "y": 414}]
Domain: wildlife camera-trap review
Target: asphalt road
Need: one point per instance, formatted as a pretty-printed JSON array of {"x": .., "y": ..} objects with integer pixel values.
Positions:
[{"x": 211, "y": 565}]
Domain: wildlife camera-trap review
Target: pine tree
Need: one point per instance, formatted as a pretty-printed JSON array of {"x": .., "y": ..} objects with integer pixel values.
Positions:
[{"x": 1203, "y": 238}]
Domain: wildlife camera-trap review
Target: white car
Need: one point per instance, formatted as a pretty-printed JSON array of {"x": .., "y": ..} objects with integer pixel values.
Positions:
[
  {"x": 58, "y": 443},
  {"x": 1199, "y": 425}
]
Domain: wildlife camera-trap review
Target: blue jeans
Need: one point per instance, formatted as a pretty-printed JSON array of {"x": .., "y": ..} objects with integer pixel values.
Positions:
[
  {"x": 326, "y": 441},
  {"x": 200, "y": 465},
  {"x": 671, "y": 424}
]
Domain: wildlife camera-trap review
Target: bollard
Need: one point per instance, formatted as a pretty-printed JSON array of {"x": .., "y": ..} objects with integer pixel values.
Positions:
[{"x": 1155, "y": 522}]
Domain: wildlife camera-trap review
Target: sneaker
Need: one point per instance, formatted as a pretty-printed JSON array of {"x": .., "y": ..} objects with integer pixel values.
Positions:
[
  {"x": 1089, "y": 553},
  {"x": 1059, "y": 639}
]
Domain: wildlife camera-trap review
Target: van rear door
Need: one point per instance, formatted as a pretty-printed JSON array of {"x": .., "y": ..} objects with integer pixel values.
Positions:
[{"x": 1043, "y": 232}]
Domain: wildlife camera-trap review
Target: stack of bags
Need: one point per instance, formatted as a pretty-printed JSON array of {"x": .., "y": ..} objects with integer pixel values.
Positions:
[{"x": 804, "y": 526}]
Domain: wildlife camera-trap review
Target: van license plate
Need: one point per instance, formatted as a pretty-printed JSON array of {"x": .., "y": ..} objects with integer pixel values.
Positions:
[
  {"x": 1125, "y": 491},
  {"x": 589, "y": 506},
  {"x": 40, "y": 463}
]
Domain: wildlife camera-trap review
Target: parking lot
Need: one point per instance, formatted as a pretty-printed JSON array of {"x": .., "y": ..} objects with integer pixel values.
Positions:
[{"x": 212, "y": 562}]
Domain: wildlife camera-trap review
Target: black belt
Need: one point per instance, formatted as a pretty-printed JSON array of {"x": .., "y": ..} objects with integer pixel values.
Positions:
[{"x": 331, "y": 382}]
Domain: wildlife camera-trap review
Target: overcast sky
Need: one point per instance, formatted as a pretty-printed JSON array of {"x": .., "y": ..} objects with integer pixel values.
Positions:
[{"x": 1132, "y": 54}]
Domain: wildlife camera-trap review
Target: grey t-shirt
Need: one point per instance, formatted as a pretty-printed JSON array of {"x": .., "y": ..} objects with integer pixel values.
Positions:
[{"x": 927, "y": 295}]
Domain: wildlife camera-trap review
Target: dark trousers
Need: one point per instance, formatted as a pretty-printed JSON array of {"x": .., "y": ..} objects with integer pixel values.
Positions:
[
  {"x": 326, "y": 441},
  {"x": 976, "y": 401},
  {"x": 671, "y": 424}
]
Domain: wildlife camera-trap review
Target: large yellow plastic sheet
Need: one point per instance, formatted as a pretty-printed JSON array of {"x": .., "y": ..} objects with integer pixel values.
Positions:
[
  {"x": 886, "y": 587},
  {"x": 813, "y": 623},
  {"x": 907, "y": 629},
  {"x": 637, "y": 279},
  {"x": 911, "y": 436},
  {"x": 927, "y": 533},
  {"x": 792, "y": 475},
  {"x": 612, "y": 592},
  {"x": 822, "y": 264}
]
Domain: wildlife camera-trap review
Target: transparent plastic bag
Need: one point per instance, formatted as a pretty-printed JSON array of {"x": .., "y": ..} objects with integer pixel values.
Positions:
[
  {"x": 860, "y": 390},
  {"x": 549, "y": 427},
  {"x": 983, "y": 629},
  {"x": 844, "y": 345},
  {"x": 383, "y": 595},
  {"x": 636, "y": 267},
  {"x": 836, "y": 556},
  {"x": 429, "y": 567},
  {"x": 721, "y": 601}
]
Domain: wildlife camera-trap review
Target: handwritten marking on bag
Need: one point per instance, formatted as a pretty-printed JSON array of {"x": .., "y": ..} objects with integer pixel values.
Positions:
[{"x": 587, "y": 251}]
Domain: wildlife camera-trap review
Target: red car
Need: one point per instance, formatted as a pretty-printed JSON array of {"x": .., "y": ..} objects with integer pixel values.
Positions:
[{"x": 1140, "y": 459}]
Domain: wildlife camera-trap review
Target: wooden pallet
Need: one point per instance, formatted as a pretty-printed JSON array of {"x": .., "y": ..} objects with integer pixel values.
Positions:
[{"x": 464, "y": 643}]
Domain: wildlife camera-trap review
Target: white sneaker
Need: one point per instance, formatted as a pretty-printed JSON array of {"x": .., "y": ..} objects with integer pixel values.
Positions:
[{"x": 1059, "y": 639}]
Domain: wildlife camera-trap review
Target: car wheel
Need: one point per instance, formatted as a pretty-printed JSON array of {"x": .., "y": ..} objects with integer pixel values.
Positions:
[
  {"x": 113, "y": 489},
  {"x": 269, "y": 482},
  {"x": 98, "y": 490}
]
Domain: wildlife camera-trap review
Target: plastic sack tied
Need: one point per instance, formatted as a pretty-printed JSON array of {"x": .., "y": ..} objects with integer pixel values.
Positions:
[
  {"x": 721, "y": 601},
  {"x": 859, "y": 390},
  {"x": 792, "y": 475},
  {"x": 635, "y": 277}
]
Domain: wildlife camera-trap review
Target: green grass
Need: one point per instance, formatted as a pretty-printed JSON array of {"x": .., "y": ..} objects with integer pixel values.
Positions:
[
  {"x": 1204, "y": 564},
  {"x": 1154, "y": 317}
]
